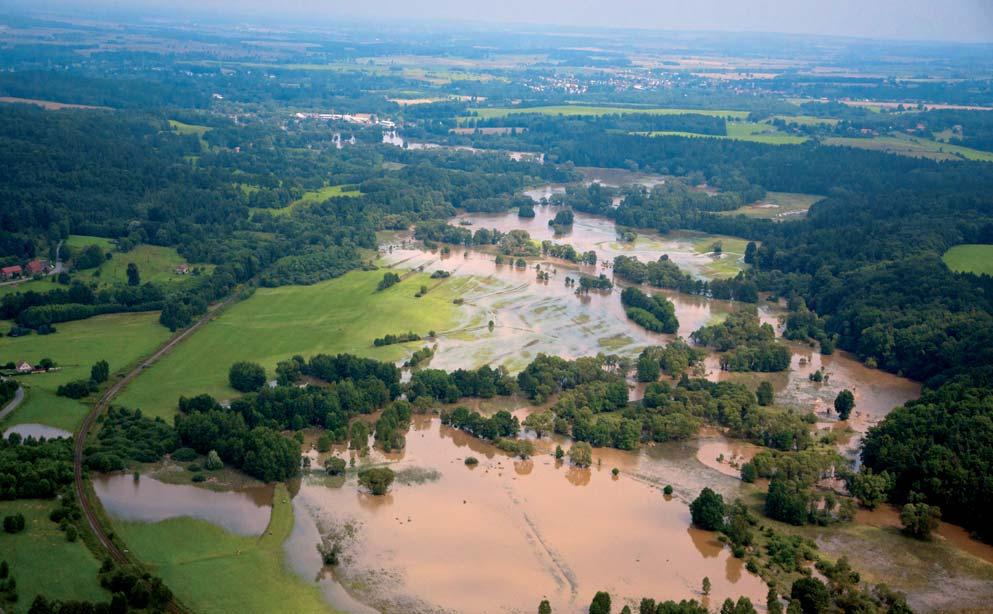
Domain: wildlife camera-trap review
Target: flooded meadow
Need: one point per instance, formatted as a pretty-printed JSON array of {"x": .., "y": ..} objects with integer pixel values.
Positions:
[{"x": 503, "y": 534}]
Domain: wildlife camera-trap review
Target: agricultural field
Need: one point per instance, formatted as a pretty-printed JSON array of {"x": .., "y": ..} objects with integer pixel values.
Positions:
[
  {"x": 199, "y": 560},
  {"x": 42, "y": 561},
  {"x": 569, "y": 109},
  {"x": 778, "y": 206},
  {"x": 120, "y": 339},
  {"x": 972, "y": 258},
  {"x": 155, "y": 263},
  {"x": 755, "y": 132},
  {"x": 339, "y": 315},
  {"x": 914, "y": 147}
]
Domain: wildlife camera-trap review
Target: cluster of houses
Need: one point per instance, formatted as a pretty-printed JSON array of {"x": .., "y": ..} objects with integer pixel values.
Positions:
[
  {"x": 364, "y": 119},
  {"x": 16, "y": 271}
]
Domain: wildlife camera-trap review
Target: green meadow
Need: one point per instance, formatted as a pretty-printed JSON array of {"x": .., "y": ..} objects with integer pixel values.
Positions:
[
  {"x": 309, "y": 198},
  {"x": 915, "y": 147},
  {"x": 972, "y": 258},
  {"x": 43, "y": 562},
  {"x": 207, "y": 567},
  {"x": 120, "y": 339},
  {"x": 755, "y": 132},
  {"x": 786, "y": 206},
  {"x": 340, "y": 315},
  {"x": 188, "y": 129},
  {"x": 569, "y": 109}
]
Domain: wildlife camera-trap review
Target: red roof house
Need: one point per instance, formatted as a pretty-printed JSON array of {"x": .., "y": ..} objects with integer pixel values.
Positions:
[
  {"x": 36, "y": 267},
  {"x": 10, "y": 271}
]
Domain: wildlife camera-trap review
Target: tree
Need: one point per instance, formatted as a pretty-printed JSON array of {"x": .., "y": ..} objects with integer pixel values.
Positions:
[
  {"x": 377, "y": 479},
  {"x": 844, "y": 403},
  {"x": 246, "y": 376},
  {"x": 100, "y": 371},
  {"x": 14, "y": 523},
  {"x": 601, "y": 603},
  {"x": 765, "y": 394},
  {"x": 919, "y": 519},
  {"x": 648, "y": 369},
  {"x": 707, "y": 510},
  {"x": 581, "y": 454},
  {"x": 706, "y": 585},
  {"x": 213, "y": 461},
  {"x": 544, "y": 607},
  {"x": 812, "y": 596},
  {"x": 134, "y": 278},
  {"x": 540, "y": 422},
  {"x": 772, "y": 603},
  {"x": 869, "y": 488},
  {"x": 335, "y": 466}
]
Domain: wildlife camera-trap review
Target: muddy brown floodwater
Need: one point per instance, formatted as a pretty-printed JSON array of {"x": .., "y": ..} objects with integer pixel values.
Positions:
[{"x": 507, "y": 533}]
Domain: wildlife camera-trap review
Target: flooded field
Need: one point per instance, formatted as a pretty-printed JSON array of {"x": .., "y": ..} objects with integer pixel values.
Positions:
[
  {"x": 504, "y": 534},
  {"x": 507, "y": 533},
  {"x": 245, "y": 511},
  {"x": 37, "y": 431}
]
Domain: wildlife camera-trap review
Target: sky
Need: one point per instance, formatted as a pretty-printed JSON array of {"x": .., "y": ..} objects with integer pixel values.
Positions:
[{"x": 941, "y": 20}]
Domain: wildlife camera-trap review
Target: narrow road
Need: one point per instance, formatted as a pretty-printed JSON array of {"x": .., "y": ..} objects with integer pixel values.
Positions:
[
  {"x": 9, "y": 407},
  {"x": 79, "y": 443}
]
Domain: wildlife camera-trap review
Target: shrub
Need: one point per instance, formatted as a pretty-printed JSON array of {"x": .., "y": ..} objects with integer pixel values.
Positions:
[
  {"x": 581, "y": 454},
  {"x": 14, "y": 523},
  {"x": 246, "y": 376},
  {"x": 377, "y": 479},
  {"x": 184, "y": 455},
  {"x": 335, "y": 466}
]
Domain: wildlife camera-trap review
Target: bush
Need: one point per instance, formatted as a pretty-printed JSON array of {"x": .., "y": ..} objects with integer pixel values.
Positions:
[
  {"x": 581, "y": 454},
  {"x": 471, "y": 461},
  {"x": 184, "y": 455},
  {"x": 14, "y": 523},
  {"x": 377, "y": 479},
  {"x": 213, "y": 462},
  {"x": 335, "y": 466},
  {"x": 199, "y": 477}
]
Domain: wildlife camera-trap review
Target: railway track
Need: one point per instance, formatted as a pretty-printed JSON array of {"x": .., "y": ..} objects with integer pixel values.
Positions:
[{"x": 79, "y": 441}]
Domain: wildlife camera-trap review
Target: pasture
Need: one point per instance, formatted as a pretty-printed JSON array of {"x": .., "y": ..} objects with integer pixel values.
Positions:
[
  {"x": 43, "y": 562},
  {"x": 914, "y": 147},
  {"x": 972, "y": 258},
  {"x": 120, "y": 339},
  {"x": 309, "y": 198},
  {"x": 207, "y": 566},
  {"x": 339, "y": 315},
  {"x": 755, "y": 132}
]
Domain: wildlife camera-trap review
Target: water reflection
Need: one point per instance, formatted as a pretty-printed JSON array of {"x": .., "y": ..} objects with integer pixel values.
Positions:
[
  {"x": 245, "y": 511},
  {"x": 37, "y": 431}
]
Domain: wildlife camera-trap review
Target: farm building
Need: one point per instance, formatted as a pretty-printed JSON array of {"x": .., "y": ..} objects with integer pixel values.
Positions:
[
  {"x": 36, "y": 267},
  {"x": 24, "y": 367},
  {"x": 9, "y": 272}
]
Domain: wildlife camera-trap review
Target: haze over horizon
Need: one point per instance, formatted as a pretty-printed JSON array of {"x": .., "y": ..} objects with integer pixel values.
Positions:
[{"x": 960, "y": 21}]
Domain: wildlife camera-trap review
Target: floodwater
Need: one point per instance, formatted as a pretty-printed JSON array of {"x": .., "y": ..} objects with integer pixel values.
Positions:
[
  {"x": 37, "y": 431},
  {"x": 245, "y": 511},
  {"x": 502, "y": 535},
  {"x": 505, "y": 534}
]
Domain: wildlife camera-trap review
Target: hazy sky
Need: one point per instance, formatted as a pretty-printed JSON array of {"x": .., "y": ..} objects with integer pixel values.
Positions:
[{"x": 949, "y": 20}]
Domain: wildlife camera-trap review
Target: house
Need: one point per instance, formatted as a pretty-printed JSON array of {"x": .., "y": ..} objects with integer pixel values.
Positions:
[
  {"x": 9, "y": 272},
  {"x": 182, "y": 269},
  {"x": 36, "y": 267},
  {"x": 24, "y": 367}
]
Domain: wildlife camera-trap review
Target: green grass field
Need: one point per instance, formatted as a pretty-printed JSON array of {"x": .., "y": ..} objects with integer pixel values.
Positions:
[
  {"x": 755, "y": 132},
  {"x": 569, "y": 109},
  {"x": 78, "y": 242},
  {"x": 212, "y": 570},
  {"x": 788, "y": 206},
  {"x": 187, "y": 129},
  {"x": 732, "y": 253},
  {"x": 120, "y": 339},
  {"x": 339, "y": 315},
  {"x": 914, "y": 147},
  {"x": 973, "y": 258},
  {"x": 43, "y": 562},
  {"x": 155, "y": 263},
  {"x": 309, "y": 198}
]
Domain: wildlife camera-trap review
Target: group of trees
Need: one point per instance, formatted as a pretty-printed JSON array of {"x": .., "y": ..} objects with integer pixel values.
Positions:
[
  {"x": 746, "y": 344},
  {"x": 652, "y": 311},
  {"x": 664, "y": 273}
]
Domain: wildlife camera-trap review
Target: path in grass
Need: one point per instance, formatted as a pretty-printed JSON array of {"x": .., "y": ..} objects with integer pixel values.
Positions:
[
  {"x": 340, "y": 315},
  {"x": 970, "y": 258},
  {"x": 213, "y": 570},
  {"x": 120, "y": 339},
  {"x": 43, "y": 562}
]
